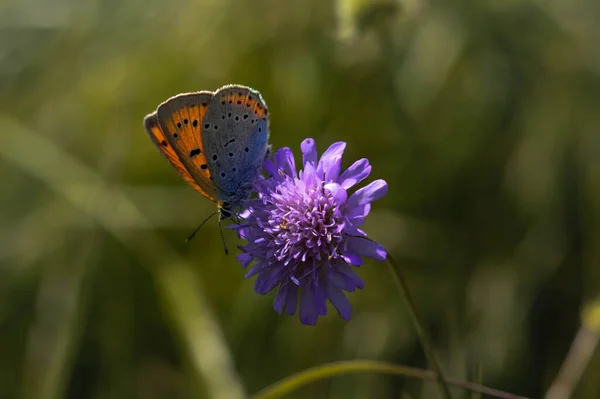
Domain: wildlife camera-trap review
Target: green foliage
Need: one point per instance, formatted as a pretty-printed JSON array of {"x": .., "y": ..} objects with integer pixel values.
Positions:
[{"x": 481, "y": 115}]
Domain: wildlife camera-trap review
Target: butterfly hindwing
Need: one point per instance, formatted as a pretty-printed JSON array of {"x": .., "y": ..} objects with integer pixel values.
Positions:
[
  {"x": 235, "y": 134},
  {"x": 181, "y": 118}
]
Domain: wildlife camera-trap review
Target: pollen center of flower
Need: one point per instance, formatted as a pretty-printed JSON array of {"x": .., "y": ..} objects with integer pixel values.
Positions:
[{"x": 305, "y": 225}]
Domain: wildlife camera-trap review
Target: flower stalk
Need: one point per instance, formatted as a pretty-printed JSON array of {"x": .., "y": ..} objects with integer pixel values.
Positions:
[{"x": 416, "y": 319}]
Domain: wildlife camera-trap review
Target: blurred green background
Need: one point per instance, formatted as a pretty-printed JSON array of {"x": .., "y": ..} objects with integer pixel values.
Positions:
[{"x": 483, "y": 117}]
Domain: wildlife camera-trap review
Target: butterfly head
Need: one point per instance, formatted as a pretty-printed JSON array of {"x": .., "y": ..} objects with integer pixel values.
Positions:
[{"x": 225, "y": 210}]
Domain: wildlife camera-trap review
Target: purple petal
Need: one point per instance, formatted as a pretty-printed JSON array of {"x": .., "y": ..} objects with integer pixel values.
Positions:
[
  {"x": 284, "y": 160},
  {"x": 243, "y": 232},
  {"x": 344, "y": 277},
  {"x": 352, "y": 258},
  {"x": 270, "y": 167},
  {"x": 339, "y": 302},
  {"x": 327, "y": 163},
  {"x": 291, "y": 300},
  {"x": 357, "y": 172},
  {"x": 366, "y": 247},
  {"x": 254, "y": 270},
  {"x": 361, "y": 211},
  {"x": 352, "y": 229},
  {"x": 309, "y": 152},
  {"x": 372, "y": 192},
  {"x": 339, "y": 194},
  {"x": 320, "y": 296},
  {"x": 346, "y": 283},
  {"x": 245, "y": 214},
  {"x": 280, "y": 299},
  {"x": 245, "y": 258},
  {"x": 265, "y": 282},
  {"x": 308, "y": 313},
  {"x": 308, "y": 175},
  {"x": 330, "y": 168}
]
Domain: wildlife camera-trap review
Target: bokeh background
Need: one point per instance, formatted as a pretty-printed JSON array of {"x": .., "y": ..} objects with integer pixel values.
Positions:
[{"x": 483, "y": 117}]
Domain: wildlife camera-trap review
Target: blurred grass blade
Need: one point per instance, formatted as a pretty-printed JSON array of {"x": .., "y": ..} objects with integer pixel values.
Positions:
[
  {"x": 196, "y": 326},
  {"x": 325, "y": 371},
  {"x": 580, "y": 354},
  {"x": 53, "y": 339},
  {"x": 478, "y": 379}
]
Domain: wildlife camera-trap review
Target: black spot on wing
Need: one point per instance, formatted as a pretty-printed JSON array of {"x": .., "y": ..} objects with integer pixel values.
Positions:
[{"x": 195, "y": 152}]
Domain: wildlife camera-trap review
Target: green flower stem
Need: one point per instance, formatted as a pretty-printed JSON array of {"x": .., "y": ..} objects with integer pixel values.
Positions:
[
  {"x": 325, "y": 371},
  {"x": 426, "y": 341}
]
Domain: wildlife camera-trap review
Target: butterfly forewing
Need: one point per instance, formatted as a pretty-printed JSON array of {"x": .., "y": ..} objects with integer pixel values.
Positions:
[
  {"x": 160, "y": 140},
  {"x": 181, "y": 118}
]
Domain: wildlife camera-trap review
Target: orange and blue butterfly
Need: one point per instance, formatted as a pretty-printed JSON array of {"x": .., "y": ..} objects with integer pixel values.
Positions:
[{"x": 217, "y": 141}]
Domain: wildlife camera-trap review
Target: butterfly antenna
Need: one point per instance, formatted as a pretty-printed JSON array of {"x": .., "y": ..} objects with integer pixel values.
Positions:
[
  {"x": 202, "y": 224},
  {"x": 221, "y": 231}
]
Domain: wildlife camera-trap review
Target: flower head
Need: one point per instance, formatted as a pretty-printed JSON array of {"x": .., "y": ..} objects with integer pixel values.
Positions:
[{"x": 303, "y": 230}]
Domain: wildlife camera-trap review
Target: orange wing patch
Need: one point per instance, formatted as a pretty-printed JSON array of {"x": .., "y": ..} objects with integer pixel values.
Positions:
[
  {"x": 252, "y": 100},
  {"x": 161, "y": 142},
  {"x": 187, "y": 122}
]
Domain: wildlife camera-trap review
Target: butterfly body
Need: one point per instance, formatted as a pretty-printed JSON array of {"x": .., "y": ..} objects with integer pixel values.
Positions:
[{"x": 217, "y": 141}]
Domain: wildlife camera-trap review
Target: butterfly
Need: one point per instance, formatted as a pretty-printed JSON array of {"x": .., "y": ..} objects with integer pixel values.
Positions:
[{"x": 217, "y": 141}]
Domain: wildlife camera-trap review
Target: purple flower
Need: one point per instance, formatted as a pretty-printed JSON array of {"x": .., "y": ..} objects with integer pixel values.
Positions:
[{"x": 303, "y": 230}]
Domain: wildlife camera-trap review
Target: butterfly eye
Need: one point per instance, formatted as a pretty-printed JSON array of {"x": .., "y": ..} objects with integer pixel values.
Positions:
[
  {"x": 175, "y": 135},
  {"x": 203, "y": 166},
  {"x": 163, "y": 143},
  {"x": 245, "y": 116},
  {"x": 233, "y": 170},
  {"x": 207, "y": 126},
  {"x": 179, "y": 125},
  {"x": 229, "y": 115},
  {"x": 237, "y": 118},
  {"x": 246, "y": 149},
  {"x": 230, "y": 154},
  {"x": 195, "y": 123},
  {"x": 223, "y": 174},
  {"x": 185, "y": 121},
  {"x": 215, "y": 157}
]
